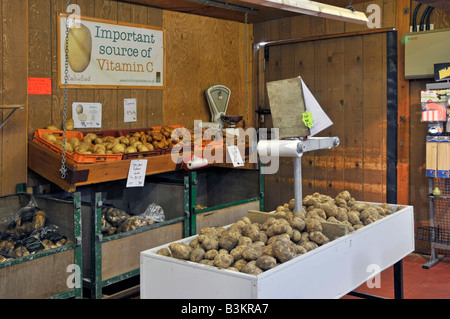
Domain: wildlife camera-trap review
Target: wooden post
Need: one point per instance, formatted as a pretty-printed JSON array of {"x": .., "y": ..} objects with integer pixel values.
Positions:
[{"x": 403, "y": 13}]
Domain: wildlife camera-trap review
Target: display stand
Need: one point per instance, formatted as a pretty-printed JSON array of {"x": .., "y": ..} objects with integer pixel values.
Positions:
[{"x": 438, "y": 233}]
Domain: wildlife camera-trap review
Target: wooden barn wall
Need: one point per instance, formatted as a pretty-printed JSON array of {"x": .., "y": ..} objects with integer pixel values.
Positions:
[
  {"x": 348, "y": 78},
  {"x": 13, "y": 90},
  {"x": 200, "y": 52}
]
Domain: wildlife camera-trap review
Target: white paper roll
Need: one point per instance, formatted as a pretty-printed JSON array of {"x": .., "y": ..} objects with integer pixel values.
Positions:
[
  {"x": 197, "y": 163},
  {"x": 281, "y": 148}
]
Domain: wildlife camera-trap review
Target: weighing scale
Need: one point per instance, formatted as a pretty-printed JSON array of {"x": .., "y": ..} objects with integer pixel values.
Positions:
[{"x": 218, "y": 97}]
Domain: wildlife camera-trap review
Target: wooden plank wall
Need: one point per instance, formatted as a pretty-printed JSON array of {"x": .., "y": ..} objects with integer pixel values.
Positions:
[
  {"x": 200, "y": 52},
  {"x": 344, "y": 75},
  {"x": 13, "y": 90},
  {"x": 42, "y": 62}
]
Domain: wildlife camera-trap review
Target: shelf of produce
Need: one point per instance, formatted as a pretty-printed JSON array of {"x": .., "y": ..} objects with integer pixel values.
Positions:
[
  {"x": 329, "y": 271},
  {"x": 44, "y": 273},
  {"x": 47, "y": 164}
]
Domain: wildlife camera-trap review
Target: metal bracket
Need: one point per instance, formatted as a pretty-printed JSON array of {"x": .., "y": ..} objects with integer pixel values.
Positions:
[{"x": 13, "y": 107}]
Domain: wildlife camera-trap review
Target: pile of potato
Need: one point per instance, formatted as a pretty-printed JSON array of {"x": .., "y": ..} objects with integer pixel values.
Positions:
[
  {"x": 256, "y": 247},
  {"x": 130, "y": 143},
  {"x": 116, "y": 221},
  {"x": 29, "y": 234}
]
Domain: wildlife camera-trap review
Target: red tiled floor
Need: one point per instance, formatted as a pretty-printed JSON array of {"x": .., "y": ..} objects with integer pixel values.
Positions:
[{"x": 418, "y": 283}]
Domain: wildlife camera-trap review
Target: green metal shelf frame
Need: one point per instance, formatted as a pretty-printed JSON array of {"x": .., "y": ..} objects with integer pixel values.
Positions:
[
  {"x": 77, "y": 291},
  {"x": 193, "y": 181},
  {"x": 95, "y": 282}
]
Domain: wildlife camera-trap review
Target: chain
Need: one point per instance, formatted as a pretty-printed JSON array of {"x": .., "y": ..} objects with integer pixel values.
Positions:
[
  {"x": 63, "y": 168},
  {"x": 246, "y": 66}
]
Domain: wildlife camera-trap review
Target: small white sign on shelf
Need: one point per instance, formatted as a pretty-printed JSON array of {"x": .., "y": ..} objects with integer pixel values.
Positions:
[
  {"x": 87, "y": 115},
  {"x": 129, "y": 110},
  {"x": 136, "y": 173},
  {"x": 235, "y": 155}
]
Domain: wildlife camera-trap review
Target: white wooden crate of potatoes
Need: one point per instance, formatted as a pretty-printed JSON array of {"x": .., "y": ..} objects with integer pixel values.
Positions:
[{"x": 329, "y": 271}]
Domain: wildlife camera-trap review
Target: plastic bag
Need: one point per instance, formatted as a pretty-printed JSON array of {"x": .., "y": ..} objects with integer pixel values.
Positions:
[
  {"x": 154, "y": 212},
  {"x": 115, "y": 216},
  {"x": 10, "y": 221}
]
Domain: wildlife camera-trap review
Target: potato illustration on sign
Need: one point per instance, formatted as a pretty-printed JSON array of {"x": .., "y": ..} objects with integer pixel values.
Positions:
[
  {"x": 80, "y": 47},
  {"x": 81, "y": 116}
]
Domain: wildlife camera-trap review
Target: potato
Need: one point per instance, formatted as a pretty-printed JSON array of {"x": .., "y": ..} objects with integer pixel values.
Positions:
[
  {"x": 237, "y": 252},
  {"x": 180, "y": 250},
  {"x": 244, "y": 240},
  {"x": 223, "y": 260},
  {"x": 313, "y": 225},
  {"x": 279, "y": 228},
  {"x": 353, "y": 218},
  {"x": 229, "y": 239},
  {"x": 80, "y": 47},
  {"x": 268, "y": 222},
  {"x": 251, "y": 252},
  {"x": 130, "y": 149},
  {"x": 118, "y": 148},
  {"x": 251, "y": 231},
  {"x": 208, "y": 262},
  {"x": 298, "y": 223},
  {"x": 283, "y": 250},
  {"x": 251, "y": 268},
  {"x": 267, "y": 251},
  {"x": 49, "y": 137},
  {"x": 52, "y": 127},
  {"x": 74, "y": 141},
  {"x": 90, "y": 136},
  {"x": 342, "y": 215},
  {"x": 285, "y": 237},
  {"x": 99, "y": 149},
  {"x": 309, "y": 245},
  {"x": 211, "y": 254},
  {"x": 318, "y": 237},
  {"x": 263, "y": 237},
  {"x": 296, "y": 236},
  {"x": 292, "y": 204},
  {"x": 239, "y": 264},
  {"x": 345, "y": 195},
  {"x": 194, "y": 243},
  {"x": 300, "y": 250},
  {"x": 209, "y": 243},
  {"x": 197, "y": 254},
  {"x": 329, "y": 209},
  {"x": 69, "y": 124},
  {"x": 164, "y": 252},
  {"x": 266, "y": 262}
]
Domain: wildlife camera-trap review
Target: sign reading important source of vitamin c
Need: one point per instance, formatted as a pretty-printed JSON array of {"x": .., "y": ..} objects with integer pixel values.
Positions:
[{"x": 103, "y": 53}]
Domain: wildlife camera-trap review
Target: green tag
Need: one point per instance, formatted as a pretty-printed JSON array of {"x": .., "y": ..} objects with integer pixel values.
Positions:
[{"x": 307, "y": 119}]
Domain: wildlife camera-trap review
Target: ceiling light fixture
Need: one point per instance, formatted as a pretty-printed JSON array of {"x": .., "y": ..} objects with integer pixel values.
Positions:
[{"x": 315, "y": 9}]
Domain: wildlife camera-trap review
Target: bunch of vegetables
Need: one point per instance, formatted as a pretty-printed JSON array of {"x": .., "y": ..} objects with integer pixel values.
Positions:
[{"x": 253, "y": 248}]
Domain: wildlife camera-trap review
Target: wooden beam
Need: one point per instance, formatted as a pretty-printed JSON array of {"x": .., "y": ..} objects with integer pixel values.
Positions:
[{"x": 403, "y": 13}]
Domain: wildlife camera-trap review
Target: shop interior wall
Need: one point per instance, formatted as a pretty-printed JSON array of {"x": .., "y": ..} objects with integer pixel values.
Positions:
[
  {"x": 348, "y": 78},
  {"x": 13, "y": 91},
  {"x": 200, "y": 52},
  {"x": 418, "y": 180}
]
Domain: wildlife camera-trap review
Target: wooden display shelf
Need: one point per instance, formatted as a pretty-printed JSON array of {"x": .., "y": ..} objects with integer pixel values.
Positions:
[{"x": 47, "y": 164}]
